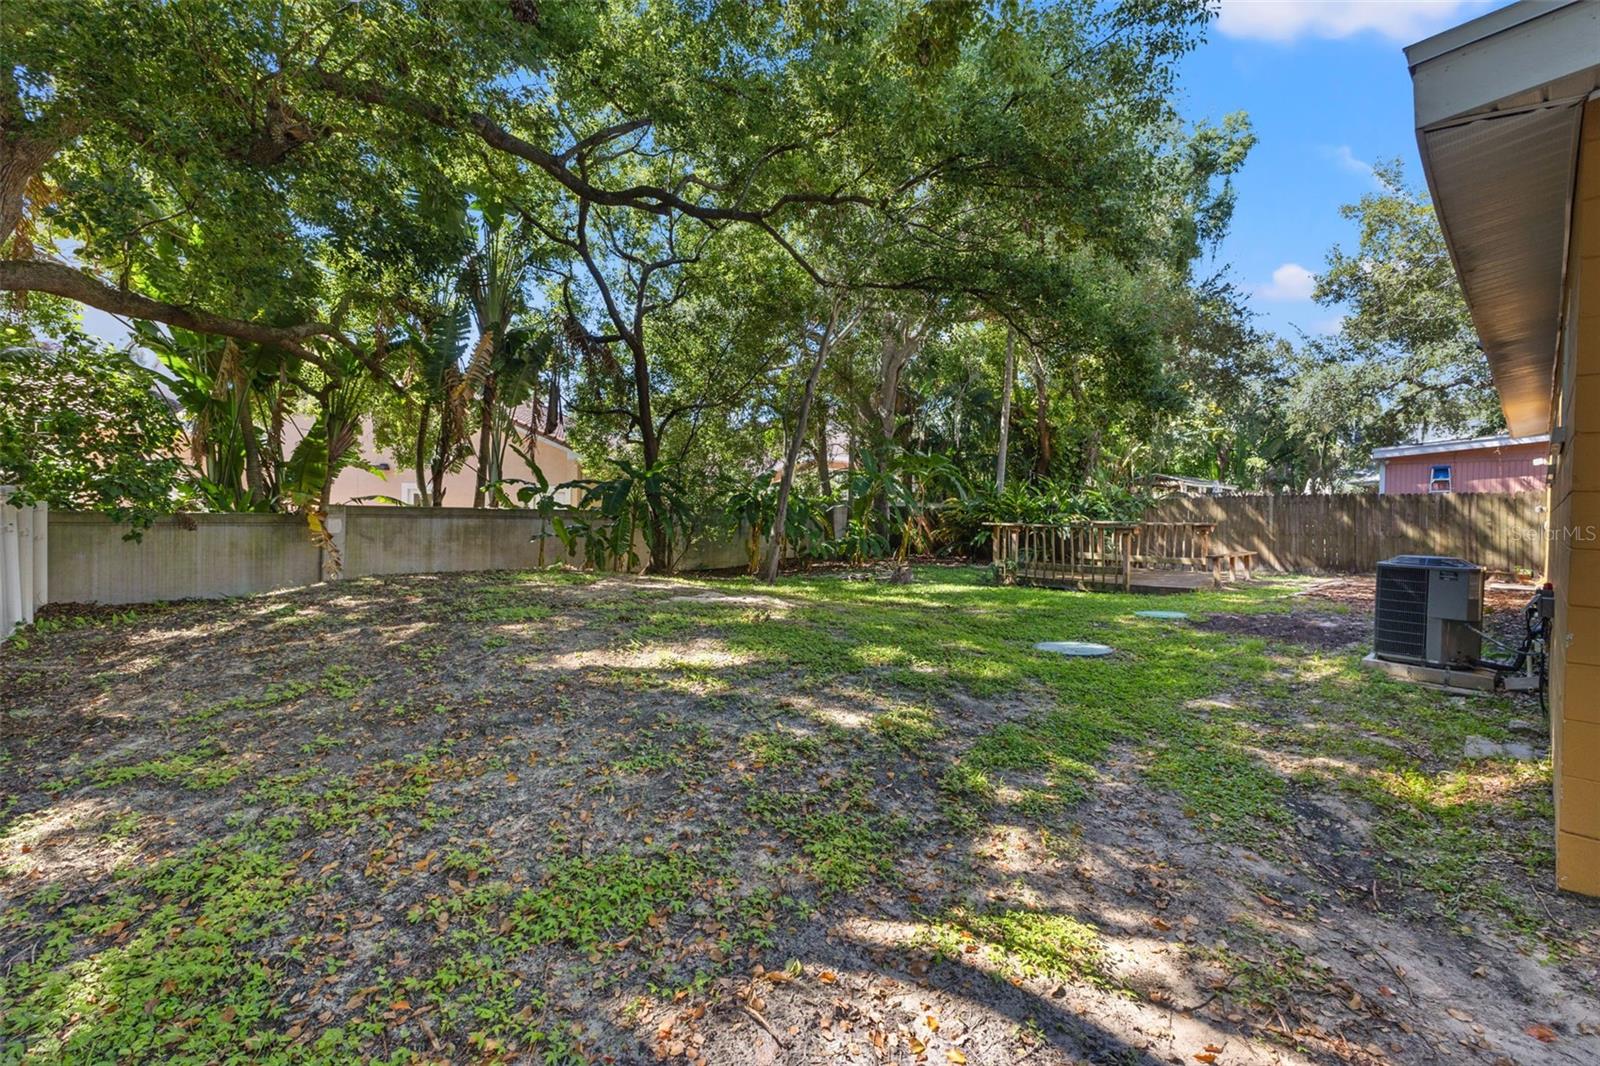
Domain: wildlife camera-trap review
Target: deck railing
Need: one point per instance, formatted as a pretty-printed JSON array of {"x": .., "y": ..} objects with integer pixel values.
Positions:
[{"x": 1096, "y": 555}]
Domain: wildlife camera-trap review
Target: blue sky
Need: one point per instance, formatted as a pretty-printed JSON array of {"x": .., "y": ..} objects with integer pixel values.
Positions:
[{"x": 1326, "y": 87}]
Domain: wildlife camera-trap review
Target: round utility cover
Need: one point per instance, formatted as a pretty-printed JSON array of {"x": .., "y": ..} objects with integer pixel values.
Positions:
[
  {"x": 1171, "y": 616},
  {"x": 1072, "y": 647}
]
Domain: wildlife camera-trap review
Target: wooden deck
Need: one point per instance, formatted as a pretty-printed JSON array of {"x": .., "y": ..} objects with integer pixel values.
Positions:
[
  {"x": 1153, "y": 557},
  {"x": 1157, "y": 582},
  {"x": 1165, "y": 581}
]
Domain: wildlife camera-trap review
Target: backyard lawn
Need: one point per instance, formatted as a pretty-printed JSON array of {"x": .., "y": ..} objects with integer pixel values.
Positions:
[{"x": 581, "y": 818}]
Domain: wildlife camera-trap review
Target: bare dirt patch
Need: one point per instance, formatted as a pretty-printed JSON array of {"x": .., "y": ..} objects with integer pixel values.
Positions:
[
  {"x": 501, "y": 817},
  {"x": 1307, "y": 628}
]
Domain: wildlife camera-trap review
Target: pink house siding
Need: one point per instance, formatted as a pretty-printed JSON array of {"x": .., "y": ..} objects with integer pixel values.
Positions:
[{"x": 1509, "y": 468}]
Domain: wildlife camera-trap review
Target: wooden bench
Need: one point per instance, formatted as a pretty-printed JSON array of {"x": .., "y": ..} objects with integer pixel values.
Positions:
[{"x": 1233, "y": 560}]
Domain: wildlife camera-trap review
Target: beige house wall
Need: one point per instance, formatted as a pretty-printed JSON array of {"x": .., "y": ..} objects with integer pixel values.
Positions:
[
  {"x": 397, "y": 474},
  {"x": 355, "y": 485},
  {"x": 1573, "y": 551}
]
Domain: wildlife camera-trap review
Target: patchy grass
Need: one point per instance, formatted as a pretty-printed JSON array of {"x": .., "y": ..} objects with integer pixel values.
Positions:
[
  {"x": 560, "y": 817},
  {"x": 584, "y": 901},
  {"x": 1264, "y": 971},
  {"x": 203, "y": 767},
  {"x": 1020, "y": 942}
]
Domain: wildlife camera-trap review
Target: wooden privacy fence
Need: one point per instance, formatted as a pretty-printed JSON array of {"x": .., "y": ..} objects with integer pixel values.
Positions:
[{"x": 1353, "y": 533}]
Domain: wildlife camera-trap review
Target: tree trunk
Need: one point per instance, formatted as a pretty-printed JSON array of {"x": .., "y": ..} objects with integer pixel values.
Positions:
[
  {"x": 422, "y": 455},
  {"x": 486, "y": 417},
  {"x": 820, "y": 450},
  {"x": 441, "y": 455},
  {"x": 1091, "y": 454},
  {"x": 1041, "y": 403},
  {"x": 850, "y": 467},
  {"x": 253, "y": 482},
  {"x": 26, "y": 145},
  {"x": 659, "y": 535},
  {"x": 1005, "y": 409},
  {"x": 888, "y": 404},
  {"x": 775, "y": 555},
  {"x": 275, "y": 428},
  {"x": 552, "y": 407},
  {"x": 900, "y": 342}
]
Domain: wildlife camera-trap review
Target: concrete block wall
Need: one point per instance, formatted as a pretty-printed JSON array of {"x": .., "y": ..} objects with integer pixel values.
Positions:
[
  {"x": 182, "y": 557},
  {"x": 407, "y": 540},
  {"x": 206, "y": 556}
]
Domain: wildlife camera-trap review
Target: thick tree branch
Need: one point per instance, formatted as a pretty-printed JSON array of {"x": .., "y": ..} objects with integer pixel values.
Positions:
[
  {"x": 653, "y": 198},
  {"x": 59, "y": 280},
  {"x": 603, "y": 136}
]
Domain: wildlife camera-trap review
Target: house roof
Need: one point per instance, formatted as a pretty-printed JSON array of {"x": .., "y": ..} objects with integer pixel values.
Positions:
[
  {"x": 1192, "y": 482},
  {"x": 1498, "y": 101},
  {"x": 1469, "y": 444}
]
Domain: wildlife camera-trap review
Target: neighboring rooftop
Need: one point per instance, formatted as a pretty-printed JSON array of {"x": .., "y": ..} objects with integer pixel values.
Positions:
[
  {"x": 1208, "y": 486},
  {"x": 1462, "y": 444}
]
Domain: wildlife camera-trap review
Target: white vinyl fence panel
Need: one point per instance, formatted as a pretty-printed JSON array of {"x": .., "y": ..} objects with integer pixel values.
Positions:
[{"x": 24, "y": 554}]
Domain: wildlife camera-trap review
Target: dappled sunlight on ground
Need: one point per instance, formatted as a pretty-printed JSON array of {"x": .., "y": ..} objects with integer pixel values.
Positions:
[
  {"x": 65, "y": 845},
  {"x": 569, "y": 817}
]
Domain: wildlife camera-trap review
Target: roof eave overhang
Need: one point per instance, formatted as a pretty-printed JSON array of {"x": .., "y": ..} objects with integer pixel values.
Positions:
[
  {"x": 1445, "y": 447},
  {"x": 1498, "y": 109}
]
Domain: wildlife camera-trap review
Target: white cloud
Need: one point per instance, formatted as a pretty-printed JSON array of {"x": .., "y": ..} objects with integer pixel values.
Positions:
[
  {"x": 1284, "y": 21},
  {"x": 1289, "y": 282},
  {"x": 1328, "y": 327},
  {"x": 1347, "y": 160}
]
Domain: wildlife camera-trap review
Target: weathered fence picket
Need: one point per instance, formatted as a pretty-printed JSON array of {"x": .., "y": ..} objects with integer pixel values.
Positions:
[{"x": 1353, "y": 533}]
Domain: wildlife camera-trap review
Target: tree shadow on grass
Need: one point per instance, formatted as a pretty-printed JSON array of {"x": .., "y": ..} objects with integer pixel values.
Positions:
[{"x": 424, "y": 768}]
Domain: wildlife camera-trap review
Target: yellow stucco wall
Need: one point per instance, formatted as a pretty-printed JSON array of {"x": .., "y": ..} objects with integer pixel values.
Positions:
[{"x": 1574, "y": 551}]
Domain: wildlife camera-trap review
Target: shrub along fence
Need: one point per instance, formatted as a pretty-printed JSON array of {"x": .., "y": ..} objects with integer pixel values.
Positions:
[
  {"x": 203, "y": 556},
  {"x": 1353, "y": 533}
]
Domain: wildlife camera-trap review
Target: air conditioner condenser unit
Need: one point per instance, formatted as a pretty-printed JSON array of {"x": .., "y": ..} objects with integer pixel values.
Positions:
[{"x": 1429, "y": 611}]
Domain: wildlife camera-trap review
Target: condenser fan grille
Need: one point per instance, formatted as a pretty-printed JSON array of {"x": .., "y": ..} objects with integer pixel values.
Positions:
[{"x": 1402, "y": 612}]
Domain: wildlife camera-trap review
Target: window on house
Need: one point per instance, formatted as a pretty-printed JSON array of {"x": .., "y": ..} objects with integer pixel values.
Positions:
[
  {"x": 409, "y": 493},
  {"x": 1439, "y": 478}
]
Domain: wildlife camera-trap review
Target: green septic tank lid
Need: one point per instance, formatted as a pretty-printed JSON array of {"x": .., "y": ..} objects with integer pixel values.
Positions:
[
  {"x": 1072, "y": 647},
  {"x": 1174, "y": 616}
]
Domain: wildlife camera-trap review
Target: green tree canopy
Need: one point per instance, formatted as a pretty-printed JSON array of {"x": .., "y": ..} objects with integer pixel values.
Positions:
[{"x": 84, "y": 428}]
